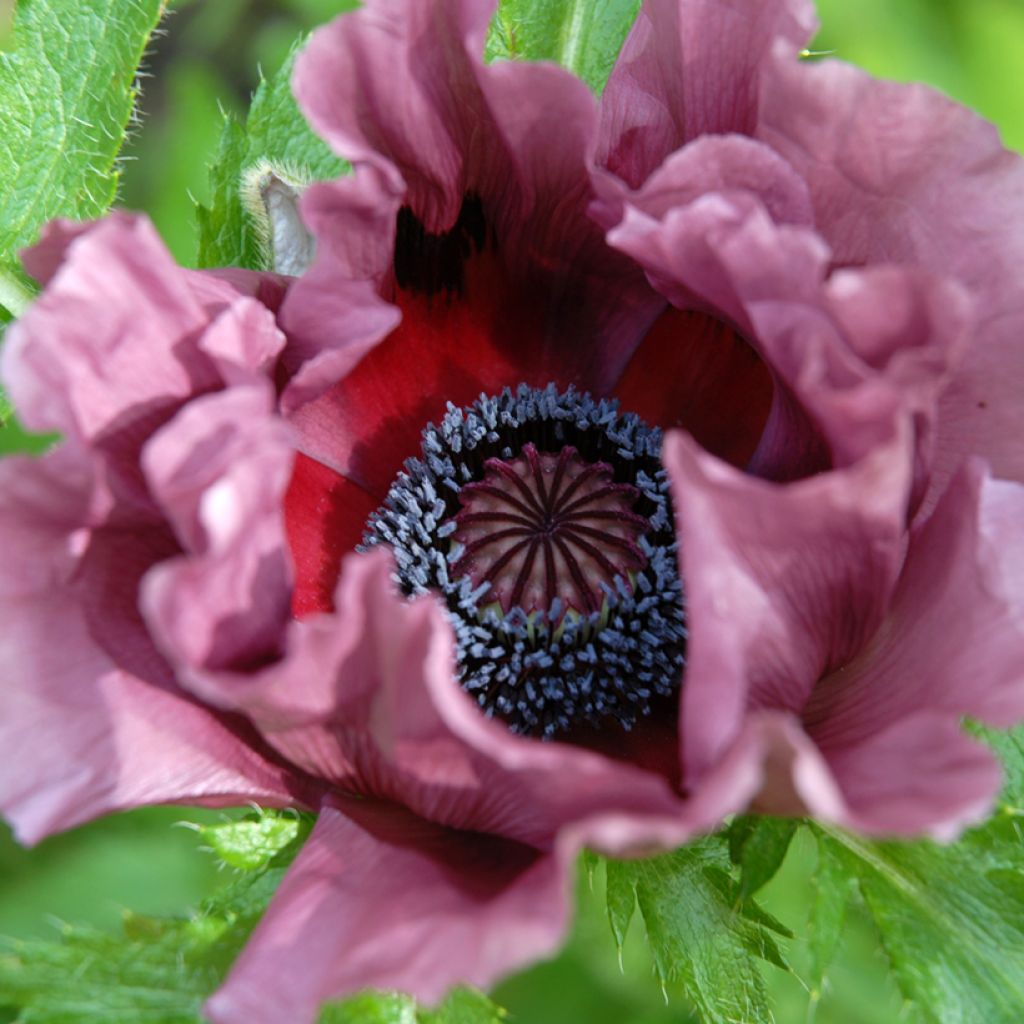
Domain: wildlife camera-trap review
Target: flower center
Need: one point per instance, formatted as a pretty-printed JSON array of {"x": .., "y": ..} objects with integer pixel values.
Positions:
[
  {"x": 545, "y": 528},
  {"x": 544, "y": 521}
]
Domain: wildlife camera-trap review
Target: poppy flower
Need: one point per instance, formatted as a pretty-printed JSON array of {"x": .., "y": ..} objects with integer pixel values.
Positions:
[{"x": 615, "y": 466}]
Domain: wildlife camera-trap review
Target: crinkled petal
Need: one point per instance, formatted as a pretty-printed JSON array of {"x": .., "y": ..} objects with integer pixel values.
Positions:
[
  {"x": 82, "y": 735},
  {"x": 108, "y": 346},
  {"x": 244, "y": 342},
  {"x": 724, "y": 164},
  {"x": 691, "y": 68},
  {"x": 219, "y": 471},
  {"x": 953, "y": 641},
  {"x": 367, "y": 699},
  {"x": 843, "y": 378},
  {"x": 380, "y": 899},
  {"x": 900, "y": 173},
  {"x": 782, "y": 582},
  {"x": 469, "y": 210}
]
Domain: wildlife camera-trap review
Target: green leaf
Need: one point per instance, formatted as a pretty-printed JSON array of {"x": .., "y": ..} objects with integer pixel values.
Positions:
[
  {"x": 251, "y": 843},
  {"x": 832, "y": 890},
  {"x": 463, "y": 1006},
  {"x": 156, "y": 970},
  {"x": 583, "y": 35},
  {"x": 701, "y": 932},
  {"x": 232, "y": 229},
  {"x": 951, "y": 919},
  {"x": 161, "y": 970},
  {"x": 67, "y": 90},
  {"x": 758, "y": 846}
]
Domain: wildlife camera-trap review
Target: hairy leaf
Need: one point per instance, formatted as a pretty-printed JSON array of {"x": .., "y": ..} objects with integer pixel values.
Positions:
[
  {"x": 160, "y": 970},
  {"x": 701, "y": 931},
  {"x": 275, "y": 136},
  {"x": 953, "y": 930},
  {"x": 255, "y": 840},
  {"x": 832, "y": 890},
  {"x": 67, "y": 90},
  {"x": 157, "y": 970},
  {"x": 583, "y": 35}
]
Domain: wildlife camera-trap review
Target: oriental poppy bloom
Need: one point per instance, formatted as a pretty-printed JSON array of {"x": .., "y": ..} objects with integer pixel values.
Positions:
[{"x": 614, "y": 467}]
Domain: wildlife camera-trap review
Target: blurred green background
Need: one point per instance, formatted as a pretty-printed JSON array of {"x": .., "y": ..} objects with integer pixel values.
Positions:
[{"x": 206, "y": 61}]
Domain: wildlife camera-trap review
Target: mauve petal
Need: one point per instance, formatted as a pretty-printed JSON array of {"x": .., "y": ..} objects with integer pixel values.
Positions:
[
  {"x": 82, "y": 736},
  {"x": 367, "y": 699},
  {"x": 953, "y": 641},
  {"x": 690, "y": 68},
  {"x": 782, "y": 582},
  {"x": 540, "y": 296},
  {"x": 43, "y": 260},
  {"x": 831, "y": 343},
  {"x": 244, "y": 342},
  {"x": 900, "y": 173},
  {"x": 334, "y": 315},
  {"x": 380, "y": 899},
  {"x": 219, "y": 471},
  {"x": 712, "y": 163},
  {"x": 920, "y": 774},
  {"x": 107, "y": 348}
]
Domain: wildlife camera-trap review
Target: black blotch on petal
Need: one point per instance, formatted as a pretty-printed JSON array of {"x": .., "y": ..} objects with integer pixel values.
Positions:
[{"x": 432, "y": 264}]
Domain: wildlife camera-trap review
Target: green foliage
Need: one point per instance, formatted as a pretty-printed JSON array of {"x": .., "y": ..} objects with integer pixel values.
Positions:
[
  {"x": 951, "y": 921},
  {"x": 67, "y": 89},
  {"x": 758, "y": 846},
  {"x": 950, "y": 918},
  {"x": 463, "y": 1006},
  {"x": 832, "y": 892},
  {"x": 252, "y": 842},
  {"x": 156, "y": 970},
  {"x": 160, "y": 970},
  {"x": 583, "y": 35},
  {"x": 274, "y": 134},
  {"x": 701, "y": 930}
]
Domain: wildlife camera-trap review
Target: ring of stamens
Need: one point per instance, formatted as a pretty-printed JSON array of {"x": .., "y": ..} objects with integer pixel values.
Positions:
[{"x": 544, "y": 521}]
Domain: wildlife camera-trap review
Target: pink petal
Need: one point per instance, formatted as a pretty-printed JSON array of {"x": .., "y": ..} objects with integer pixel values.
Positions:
[
  {"x": 105, "y": 350},
  {"x": 954, "y": 638},
  {"x": 83, "y": 735},
  {"x": 366, "y": 698},
  {"x": 900, "y": 173},
  {"x": 690, "y": 68},
  {"x": 782, "y": 582},
  {"x": 219, "y": 471},
  {"x": 380, "y": 899},
  {"x": 843, "y": 377},
  {"x": 920, "y": 774},
  {"x": 535, "y": 294}
]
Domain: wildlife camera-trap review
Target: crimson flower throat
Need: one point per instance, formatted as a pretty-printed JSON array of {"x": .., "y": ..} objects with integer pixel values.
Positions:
[{"x": 544, "y": 520}]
